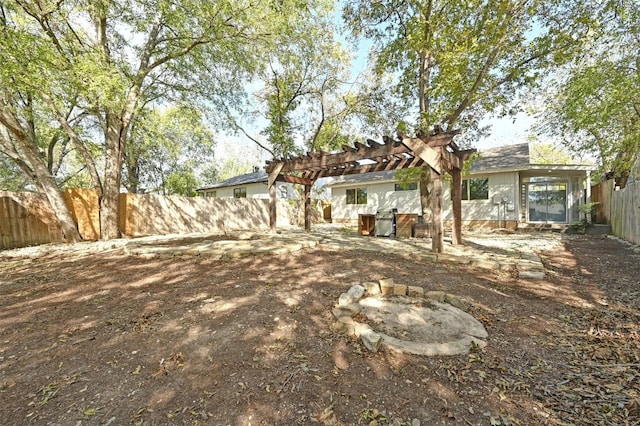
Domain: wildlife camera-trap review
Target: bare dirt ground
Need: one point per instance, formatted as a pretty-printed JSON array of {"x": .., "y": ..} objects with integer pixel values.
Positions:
[{"x": 104, "y": 338}]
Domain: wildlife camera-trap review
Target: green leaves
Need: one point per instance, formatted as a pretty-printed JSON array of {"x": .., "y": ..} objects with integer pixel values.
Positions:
[
  {"x": 457, "y": 61},
  {"x": 594, "y": 107},
  {"x": 168, "y": 149}
]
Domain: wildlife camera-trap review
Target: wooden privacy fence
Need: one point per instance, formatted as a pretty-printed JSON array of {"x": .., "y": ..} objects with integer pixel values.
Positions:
[
  {"x": 619, "y": 208},
  {"x": 26, "y": 218},
  {"x": 25, "y": 221},
  {"x": 154, "y": 214}
]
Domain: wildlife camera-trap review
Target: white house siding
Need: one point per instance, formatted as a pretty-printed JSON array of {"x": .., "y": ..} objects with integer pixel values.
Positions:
[
  {"x": 380, "y": 196},
  {"x": 500, "y": 185},
  {"x": 509, "y": 172},
  {"x": 256, "y": 190}
]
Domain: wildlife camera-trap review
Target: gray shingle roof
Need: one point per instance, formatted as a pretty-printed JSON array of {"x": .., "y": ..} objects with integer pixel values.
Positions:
[
  {"x": 256, "y": 177},
  {"x": 502, "y": 157}
]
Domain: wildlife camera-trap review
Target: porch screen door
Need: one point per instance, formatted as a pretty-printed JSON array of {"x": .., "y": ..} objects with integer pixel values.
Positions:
[{"x": 547, "y": 202}]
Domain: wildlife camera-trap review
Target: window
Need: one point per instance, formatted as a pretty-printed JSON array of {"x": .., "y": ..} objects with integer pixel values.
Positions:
[
  {"x": 357, "y": 196},
  {"x": 475, "y": 189},
  {"x": 240, "y": 193},
  {"x": 210, "y": 194},
  {"x": 282, "y": 191},
  {"x": 407, "y": 186}
]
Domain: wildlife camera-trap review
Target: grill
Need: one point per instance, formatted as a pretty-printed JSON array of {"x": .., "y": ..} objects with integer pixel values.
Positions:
[{"x": 385, "y": 223}]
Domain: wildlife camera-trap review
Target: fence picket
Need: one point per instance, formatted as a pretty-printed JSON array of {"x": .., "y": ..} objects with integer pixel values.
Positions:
[
  {"x": 26, "y": 218},
  {"x": 619, "y": 208}
]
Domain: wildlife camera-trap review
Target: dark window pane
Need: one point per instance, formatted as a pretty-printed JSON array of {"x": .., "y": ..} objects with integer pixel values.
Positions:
[
  {"x": 362, "y": 196},
  {"x": 478, "y": 189},
  {"x": 407, "y": 186},
  {"x": 351, "y": 196}
]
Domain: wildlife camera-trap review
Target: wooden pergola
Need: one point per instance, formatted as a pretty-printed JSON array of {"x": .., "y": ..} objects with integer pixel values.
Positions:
[{"x": 436, "y": 151}]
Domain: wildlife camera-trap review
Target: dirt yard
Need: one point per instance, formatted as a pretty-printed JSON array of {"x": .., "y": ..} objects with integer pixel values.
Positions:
[{"x": 102, "y": 338}]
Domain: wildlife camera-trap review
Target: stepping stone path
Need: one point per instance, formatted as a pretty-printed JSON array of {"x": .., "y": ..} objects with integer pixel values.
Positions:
[
  {"x": 408, "y": 319},
  {"x": 521, "y": 259}
]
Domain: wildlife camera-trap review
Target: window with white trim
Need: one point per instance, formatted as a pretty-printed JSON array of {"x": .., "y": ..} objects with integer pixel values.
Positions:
[
  {"x": 357, "y": 196},
  {"x": 475, "y": 189}
]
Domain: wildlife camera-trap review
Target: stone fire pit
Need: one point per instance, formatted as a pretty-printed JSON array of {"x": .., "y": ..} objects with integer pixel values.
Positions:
[{"x": 408, "y": 319}]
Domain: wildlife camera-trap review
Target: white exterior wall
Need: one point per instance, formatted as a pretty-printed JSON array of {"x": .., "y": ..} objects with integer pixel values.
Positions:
[
  {"x": 500, "y": 185},
  {"x": 380, "y": 196},
  {"x": 256, "y": 190}
]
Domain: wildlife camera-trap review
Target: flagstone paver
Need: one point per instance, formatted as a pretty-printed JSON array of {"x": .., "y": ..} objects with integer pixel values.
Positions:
[{"x": 491, "y": 252}]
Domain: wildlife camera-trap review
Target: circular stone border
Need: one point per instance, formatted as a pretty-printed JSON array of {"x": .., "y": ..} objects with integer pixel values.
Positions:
[{"x": 352, "y": 303}]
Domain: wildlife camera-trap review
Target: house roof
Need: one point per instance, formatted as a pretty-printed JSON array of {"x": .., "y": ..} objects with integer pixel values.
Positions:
[
  {"x": 517, "y": 157},
  {"x": 502, "y": 157},
  {"x": 248, "y": 178}
]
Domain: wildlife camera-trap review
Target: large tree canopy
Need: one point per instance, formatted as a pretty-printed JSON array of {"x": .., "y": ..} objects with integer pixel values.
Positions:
[
  {"x": 306, "y": 98},
  {"x": 105, "y": 60},
  {"x": 594, "y": 103},
  {"x": 167, "y": 151},
  {"x": 456, "y": 61}
]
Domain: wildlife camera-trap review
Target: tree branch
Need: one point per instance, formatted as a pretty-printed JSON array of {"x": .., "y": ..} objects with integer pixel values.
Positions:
[{"x": 77, "y": 143}]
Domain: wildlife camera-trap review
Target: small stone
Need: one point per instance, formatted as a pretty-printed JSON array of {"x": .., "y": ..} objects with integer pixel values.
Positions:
[
  {"x": 347, "y": 310},
  {"x": 360, "y": 328},
  {"x": 399, "y": 290},
  {"x": 416, "y": 291},
  {"x": 346, "y": 325},
  {"x": 371, "y": 340},
  {"x": 531, "y": 275},
  {"x": 436, "y": 296},
  {"x": 485, "y": 264},
  {"x": 345, "y": 299},
  {"x": 356, "y": 292},
  {"x": 415, "y": 422},
  {"x": 455, "y": 302},
  {"x": 386, "y": 286},
  {"x": 452, "y": 258},
  {"x": 372, "y": 288}
]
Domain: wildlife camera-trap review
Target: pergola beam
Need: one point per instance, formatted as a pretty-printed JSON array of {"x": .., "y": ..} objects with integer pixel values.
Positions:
[{"x": 295, "y": 179}]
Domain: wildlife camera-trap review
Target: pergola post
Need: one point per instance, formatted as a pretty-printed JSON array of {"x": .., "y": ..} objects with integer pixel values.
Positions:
[
  {"x": 456, "y": 205},
  {"x": 437, "y": 236},
  {"x": 273, "y": 215},
  {"x": 307, "y": 208},
  {"x": 273, "y": 199}
]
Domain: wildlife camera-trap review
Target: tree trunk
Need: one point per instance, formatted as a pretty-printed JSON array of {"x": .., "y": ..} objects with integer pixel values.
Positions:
[
  {"x": 60, "y": 208},
  {"x": 110, "y": 200},
  {"x": 35, "y": 166},
  {"x": 425, "y": 195},
  {"x": 50, "y": 188}
]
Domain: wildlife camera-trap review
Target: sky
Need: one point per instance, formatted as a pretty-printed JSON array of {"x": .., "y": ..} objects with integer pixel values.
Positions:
[{"x": 507, "y": 131}]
